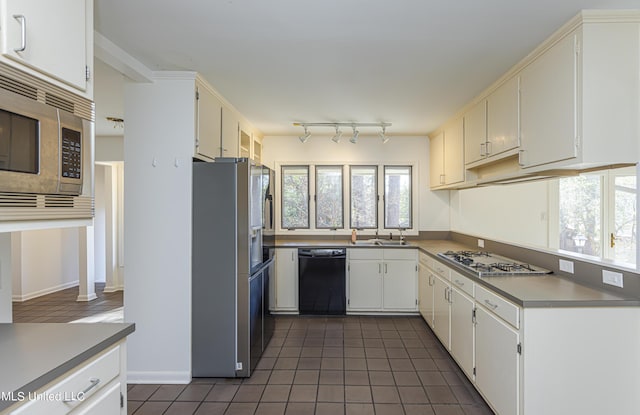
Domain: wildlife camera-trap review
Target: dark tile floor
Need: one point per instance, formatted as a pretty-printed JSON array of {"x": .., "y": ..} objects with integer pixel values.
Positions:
[
  {"x": 62, "y": 307},
  {"x": 335, "y": 365}
]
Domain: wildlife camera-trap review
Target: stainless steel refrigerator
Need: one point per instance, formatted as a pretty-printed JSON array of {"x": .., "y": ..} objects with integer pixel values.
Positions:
[{"x": 231, "y": 267}]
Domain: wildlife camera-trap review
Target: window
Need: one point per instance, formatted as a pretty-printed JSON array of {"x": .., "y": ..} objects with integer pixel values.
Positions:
[
  {"x": 580, "y": 212},
  {"x": 295, "y": 197},
  {"x": 397, "y": 197},
  {"x": 597, "y": 214},
  {"x": 364, "y": 197},
  {"x": 329, "y": 203}
]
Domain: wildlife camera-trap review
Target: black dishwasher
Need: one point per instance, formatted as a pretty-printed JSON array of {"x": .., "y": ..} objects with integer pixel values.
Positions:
[{"x": 321, "y": 281}]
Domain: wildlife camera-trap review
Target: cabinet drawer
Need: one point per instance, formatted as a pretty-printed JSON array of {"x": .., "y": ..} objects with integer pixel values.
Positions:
[
  {"x": 462, "y": 283},
  {"x": 99, "y": 371},
  {"x": 400, "y": 253},
  {"x": 365, "y": 253},
  {"x": 426, "y": 260},
  {"x": 504, "y": 309},
  {"x": 442, "y": 270}
]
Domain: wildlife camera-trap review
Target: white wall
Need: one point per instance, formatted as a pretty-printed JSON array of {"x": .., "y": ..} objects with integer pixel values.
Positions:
[
  {"x": 46, "y": 261},
  {"x": 158, "y": 151},
  {"x": 517, "y": 213},
  {"x": 433, "y": 206},
  {"x": 6, "y": 268},
  {"x": 99, "y": 222},
  {"x": 109, "y": 148}
]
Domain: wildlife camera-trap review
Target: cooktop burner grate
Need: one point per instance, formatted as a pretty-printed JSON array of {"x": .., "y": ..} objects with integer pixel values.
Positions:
[{"x": 484, "y": 263}]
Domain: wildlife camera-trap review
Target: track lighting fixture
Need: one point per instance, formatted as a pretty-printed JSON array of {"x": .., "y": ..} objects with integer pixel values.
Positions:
[
  {"x": 354, "y": 138},
  {"x": 336, "y": 138},
  {"x": 306, "y": 135},
  {"x": 354, "y": 126}
]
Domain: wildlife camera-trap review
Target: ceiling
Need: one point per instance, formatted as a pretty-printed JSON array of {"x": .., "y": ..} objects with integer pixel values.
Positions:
[{"x": 409, "y": 62}]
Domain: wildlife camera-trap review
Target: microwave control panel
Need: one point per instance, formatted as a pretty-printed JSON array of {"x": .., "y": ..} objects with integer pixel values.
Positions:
[{"x": 71, "y": 154}]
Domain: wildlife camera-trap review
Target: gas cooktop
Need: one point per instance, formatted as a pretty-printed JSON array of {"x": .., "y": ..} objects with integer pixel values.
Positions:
[{"x": 484, "y": 264}]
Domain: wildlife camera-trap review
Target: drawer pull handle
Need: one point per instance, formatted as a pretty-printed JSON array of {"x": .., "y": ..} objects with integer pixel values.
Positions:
[
  {"x": 460, "y": 283},
  {"x": 80, "y": 395},
  {"x": 490, "y": 304}
]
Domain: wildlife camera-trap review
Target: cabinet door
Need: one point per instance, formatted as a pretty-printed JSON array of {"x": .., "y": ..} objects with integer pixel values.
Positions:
[
  {"x": 454, "y": 152},
  {"x": 230, "y": 134},
  {"x": 548, "y": 112},
  {"x": 462, "y": 330},
  {"x": 436, "y": 160},
  {"x": 503, "y": 117},
  {"x": 425, "y": 294},
  {"x": 441, "y": 313},
  {"x": 497, "y": 362},
  {"x": 365, "y": 285},
  {"x": 52, "y": 35},
  {"x": 208, "y": 124},
  {"x": 399, "y": 285},
  {"x": 286, "y": 281},
  {"x": 475, "y": 133}
]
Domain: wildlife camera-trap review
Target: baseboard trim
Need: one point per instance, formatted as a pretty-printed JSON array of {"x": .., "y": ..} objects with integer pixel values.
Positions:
[
  {"x": 173, "y": 378},
  {"x": 86, "y": 298},
  {"x": 40, "y": 293},
  {"x": 113, "y": 288}
]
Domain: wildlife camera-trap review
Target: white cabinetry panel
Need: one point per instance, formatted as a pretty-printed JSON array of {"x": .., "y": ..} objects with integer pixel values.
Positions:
[
  {"x": 548, "y": 105},
  {"x": 48, "y": 36},
  {"x": 286, "y": 279}
]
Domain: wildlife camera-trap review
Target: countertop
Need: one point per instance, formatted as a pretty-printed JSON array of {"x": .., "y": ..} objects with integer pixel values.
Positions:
[
  {"x": 34, "y": 354},
  {"x": 526, "y": 291}
]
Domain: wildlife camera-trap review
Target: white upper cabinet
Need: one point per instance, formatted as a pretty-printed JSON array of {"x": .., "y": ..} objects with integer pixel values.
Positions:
[
  {"x": 447, "y": 155},
  {"x": 208, "y": 122},
  {"x": 503, "y": 117},
  {"x": 50, "y": 37},
  {"x": 475, "y": 133},
  {"x": 491, "y": 127},
  {"x": 230, "y": 133},
  {"x": 571, "y": 104},
  {"x": 548, "y": 99}
]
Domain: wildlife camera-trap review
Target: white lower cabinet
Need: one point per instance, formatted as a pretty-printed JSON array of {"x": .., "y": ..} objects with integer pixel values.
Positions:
[
  {"x": 425, "y": 293},
  {"x": 441, "y": 310},
  {"x": 365, "y": 285},
  {"x": 497, "y": 362},
  {"x": 96, "y": 387},
  {"x": 286, "y": 280},
  {"x": 534, "y": 360},
  {"x": 382, "y": 280},
  {"x": 462, "y": 323}
]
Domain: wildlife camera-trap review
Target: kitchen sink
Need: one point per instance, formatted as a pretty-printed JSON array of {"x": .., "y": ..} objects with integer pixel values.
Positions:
[
  {"x": 392, "y": 242},
  {"x": 366, "y": 242},
  {"x": 380, "y": 242}
]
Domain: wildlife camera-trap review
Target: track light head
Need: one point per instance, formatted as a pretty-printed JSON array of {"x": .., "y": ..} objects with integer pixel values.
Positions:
[
  {"x": 354, "y": 138},
  {"x": 305, "y": 137},
  {"x": 383, "y": 135},
  {"x": 336, "y": 138}
]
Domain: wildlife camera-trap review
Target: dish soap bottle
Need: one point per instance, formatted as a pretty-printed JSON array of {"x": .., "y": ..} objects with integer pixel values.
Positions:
[{"x": 353, "y": 236}]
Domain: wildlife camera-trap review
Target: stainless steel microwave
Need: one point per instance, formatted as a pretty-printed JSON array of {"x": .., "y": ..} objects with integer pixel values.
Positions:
[{"x": 41, "y": 147}]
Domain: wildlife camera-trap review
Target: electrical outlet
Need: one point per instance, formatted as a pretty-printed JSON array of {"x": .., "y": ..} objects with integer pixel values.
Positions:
[
  {"x": 480, "y": 243},
  {"x": 612, "y": 278},
  {"x": 566, "y": 266}
]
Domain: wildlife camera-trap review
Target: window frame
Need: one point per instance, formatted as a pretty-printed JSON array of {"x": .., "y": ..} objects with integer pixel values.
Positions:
[
  {"x": 384, "y": 197},
  {"x": 377, "y": 190},
  {"x": 282, "y": 175},
  {"x": 607, "y": 198},
  {"x": 317, "y": 167}
]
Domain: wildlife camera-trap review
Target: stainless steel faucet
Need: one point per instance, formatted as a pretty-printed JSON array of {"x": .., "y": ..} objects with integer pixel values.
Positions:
[{"x": 401, "y": 235}]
